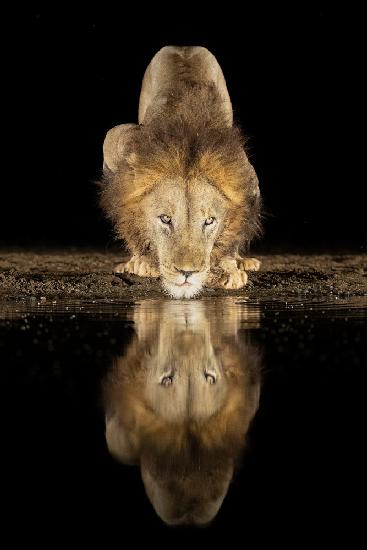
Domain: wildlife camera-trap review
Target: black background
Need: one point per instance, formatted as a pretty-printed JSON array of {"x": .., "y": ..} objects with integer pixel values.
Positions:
[{"x": 294, "y": 75}]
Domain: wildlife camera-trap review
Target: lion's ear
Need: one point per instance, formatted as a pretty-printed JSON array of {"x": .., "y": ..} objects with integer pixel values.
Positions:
[
  {"x": 122, "y": 444},
  {"x": 115, "y": 145}
]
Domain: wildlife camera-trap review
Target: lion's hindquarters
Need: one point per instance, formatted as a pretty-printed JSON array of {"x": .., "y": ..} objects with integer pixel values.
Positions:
[{"x": 172, "y": 65}]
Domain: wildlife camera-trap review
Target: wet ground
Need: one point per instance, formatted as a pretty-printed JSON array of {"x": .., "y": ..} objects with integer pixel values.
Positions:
[
  {"x": 127, "y": 411},
  {"x": 54, "y": 275}
]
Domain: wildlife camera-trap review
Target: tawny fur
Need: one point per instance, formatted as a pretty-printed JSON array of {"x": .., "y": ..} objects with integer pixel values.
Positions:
[{"x": 185, "y": 137}]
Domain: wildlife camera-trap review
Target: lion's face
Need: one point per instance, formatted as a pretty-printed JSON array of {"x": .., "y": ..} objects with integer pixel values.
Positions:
[{"x": 183, "y": 220}]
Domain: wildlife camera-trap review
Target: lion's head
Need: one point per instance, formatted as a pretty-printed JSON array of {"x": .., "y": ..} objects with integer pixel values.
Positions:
[
  {"x": 181, "y": 187},
  {"x": 183, "y": 219},
  {"x": 179, "y": 403}
]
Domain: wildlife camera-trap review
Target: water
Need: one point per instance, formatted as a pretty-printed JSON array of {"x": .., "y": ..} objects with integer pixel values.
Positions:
[{"x": 247, "y": 416}]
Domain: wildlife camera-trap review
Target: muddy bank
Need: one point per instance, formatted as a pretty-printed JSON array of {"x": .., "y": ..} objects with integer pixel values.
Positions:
[{"x": 88, "y": 275}]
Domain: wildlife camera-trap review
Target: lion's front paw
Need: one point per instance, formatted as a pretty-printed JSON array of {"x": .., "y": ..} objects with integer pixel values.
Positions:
[
  {"x": 138, "y": 265},
  {"x": 248, "y": 264},
  {"x": 227, "y": 274},
  {"x": 236, "y": 278},
  {"x": 230, "y": 279}
]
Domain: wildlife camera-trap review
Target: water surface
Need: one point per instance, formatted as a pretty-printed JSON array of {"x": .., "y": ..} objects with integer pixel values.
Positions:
[{"x": 218, "y": 412}]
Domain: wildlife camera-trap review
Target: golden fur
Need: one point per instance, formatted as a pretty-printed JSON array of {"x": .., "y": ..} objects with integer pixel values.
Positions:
[
  {"x": 187, "y": 437},
  {"x": 186, "y": 146}
]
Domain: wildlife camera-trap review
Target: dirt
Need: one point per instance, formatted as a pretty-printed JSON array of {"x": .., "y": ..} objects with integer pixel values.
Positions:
[{"x": 80, "y": 274}]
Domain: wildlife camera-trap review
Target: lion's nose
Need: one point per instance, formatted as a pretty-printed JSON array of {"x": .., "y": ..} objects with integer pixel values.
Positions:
[{"x": 185, "y": 273}]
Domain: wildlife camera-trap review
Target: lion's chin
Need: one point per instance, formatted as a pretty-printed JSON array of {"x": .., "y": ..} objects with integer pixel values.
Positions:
[{"x": 182, "y": 291}]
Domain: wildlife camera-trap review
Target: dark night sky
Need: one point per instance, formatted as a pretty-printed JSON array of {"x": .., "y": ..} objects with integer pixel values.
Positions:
[{"x": 294, "y": 76}]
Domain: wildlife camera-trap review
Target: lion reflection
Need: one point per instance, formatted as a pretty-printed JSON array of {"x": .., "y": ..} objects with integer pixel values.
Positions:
[{"x": 180, "y": 402}]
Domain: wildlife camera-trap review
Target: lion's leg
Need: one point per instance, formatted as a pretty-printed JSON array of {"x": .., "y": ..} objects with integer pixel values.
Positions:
[
  {"x": 139, "y": 264},
  {"x": 226, "y": 274},
  {"x": 247, "y": 264}
]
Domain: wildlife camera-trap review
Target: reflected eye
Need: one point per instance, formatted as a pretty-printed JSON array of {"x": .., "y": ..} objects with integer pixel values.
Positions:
[
  {"x": 165, "y": 219},
  {"x": 166, "y": 381},
  {"x": 209, "y": 221}
]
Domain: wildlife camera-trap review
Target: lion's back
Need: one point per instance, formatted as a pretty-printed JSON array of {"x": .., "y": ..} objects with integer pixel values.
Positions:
[{"x": 173, "y": 65}]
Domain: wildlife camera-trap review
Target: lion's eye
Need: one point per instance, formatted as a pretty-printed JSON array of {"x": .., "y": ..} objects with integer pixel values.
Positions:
[
  {"x": 210, "y": 377},
  {"x": 165, "y": 219},
  {"x": 209, "y": 221}
]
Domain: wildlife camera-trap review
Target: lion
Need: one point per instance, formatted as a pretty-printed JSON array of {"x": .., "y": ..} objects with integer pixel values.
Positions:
[
  {"x": 180, "y": 401},
  {"x": 178, "y": 186}
]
